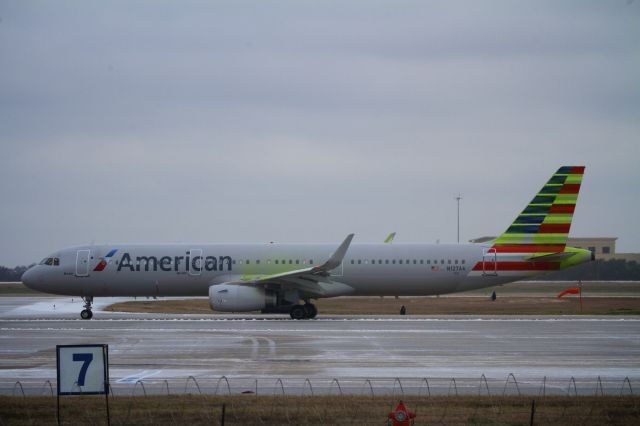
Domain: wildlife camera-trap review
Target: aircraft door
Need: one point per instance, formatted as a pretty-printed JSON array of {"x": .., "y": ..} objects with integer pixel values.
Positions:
[
  {"x": 82, "y": 263},
  {"x": 197, "y": 262},
  {"x": 490, "y": 262}
]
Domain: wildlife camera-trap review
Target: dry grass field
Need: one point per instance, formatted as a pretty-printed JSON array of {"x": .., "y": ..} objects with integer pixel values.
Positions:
[
  {"x": 320, "y": 410},
  {"x": 18, "y": 289}
]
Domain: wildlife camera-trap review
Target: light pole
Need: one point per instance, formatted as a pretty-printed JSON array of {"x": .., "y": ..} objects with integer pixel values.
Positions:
[{"x": 458, "y": 198}]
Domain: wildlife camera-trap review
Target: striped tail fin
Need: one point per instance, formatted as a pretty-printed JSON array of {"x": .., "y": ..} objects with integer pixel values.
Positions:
[{"x": 543, "y": 226}]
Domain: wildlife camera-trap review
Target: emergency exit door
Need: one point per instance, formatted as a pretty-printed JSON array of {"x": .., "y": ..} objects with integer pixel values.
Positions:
[{"x": 197, "y": 262}]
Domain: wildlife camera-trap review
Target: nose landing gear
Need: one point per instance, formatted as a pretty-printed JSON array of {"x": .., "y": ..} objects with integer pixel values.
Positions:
[{"x": 86, "y": 312}]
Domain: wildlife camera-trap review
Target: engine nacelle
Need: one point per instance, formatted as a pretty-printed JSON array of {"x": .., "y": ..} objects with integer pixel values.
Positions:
[{"x": 239, "y": 298}]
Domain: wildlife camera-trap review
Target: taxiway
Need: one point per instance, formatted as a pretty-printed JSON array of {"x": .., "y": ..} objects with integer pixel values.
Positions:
[{"x": 161, "y": 346}]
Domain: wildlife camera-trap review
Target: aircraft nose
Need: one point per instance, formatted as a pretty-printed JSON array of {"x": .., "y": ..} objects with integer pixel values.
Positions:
[{"x": 30, "y": 278}]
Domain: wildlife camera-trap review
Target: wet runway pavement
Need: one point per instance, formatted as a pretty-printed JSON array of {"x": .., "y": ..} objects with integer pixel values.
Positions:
[{"x": 157, "y": 347}]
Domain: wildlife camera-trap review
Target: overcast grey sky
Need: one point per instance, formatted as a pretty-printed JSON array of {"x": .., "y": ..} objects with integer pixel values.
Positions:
[{"x": 253, "y": 121}]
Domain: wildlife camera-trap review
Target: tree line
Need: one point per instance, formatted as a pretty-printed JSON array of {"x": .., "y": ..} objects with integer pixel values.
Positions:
[{"x": 12, "y": 274}]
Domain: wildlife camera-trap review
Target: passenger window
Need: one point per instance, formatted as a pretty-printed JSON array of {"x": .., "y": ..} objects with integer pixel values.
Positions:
[
  {"x": 297, "y": 261},
  {"x": 449, "y": 261},
  {"x": 258, "y": 262},
  {"x": 379, "y": 261},
  {"x": 290, "y": 261},
  {"x": 310, "y": 261},
  {"x": 422, "y": 261},
  {"x": 386, "y": 261},
  {"x": 442, "y": 261},
  {"x": 366, "y": 262},
  {"x": 359, "y": 261},
  {"x": 393, "y": 261},
  {"x": 284, "y": 262},
  {"x": 352, "y": 261},
  {"x": 428, "y": 262},
  {"x": 400, "y": 261},
  {"x": 415, "y": 261},
  {"x": 456, "y": 261},
  {"x": 463, "y": 261},
  {"x": 408, "y": 261},
  {"x": 276, "y": 261}
]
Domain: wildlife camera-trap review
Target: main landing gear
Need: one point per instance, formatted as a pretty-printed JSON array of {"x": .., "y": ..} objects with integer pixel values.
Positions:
[
  {"x": 306, "y": 311},
  {"x": 86, "y": 312}
]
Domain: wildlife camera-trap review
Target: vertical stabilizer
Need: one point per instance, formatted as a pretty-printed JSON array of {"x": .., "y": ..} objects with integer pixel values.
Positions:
[{"x": 543, "y": 226}]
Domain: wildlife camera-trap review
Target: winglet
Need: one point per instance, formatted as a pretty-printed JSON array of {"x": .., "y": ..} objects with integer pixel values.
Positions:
[
  {"x": 337, "y": 256},
  {"x": 390, "y": 238}
]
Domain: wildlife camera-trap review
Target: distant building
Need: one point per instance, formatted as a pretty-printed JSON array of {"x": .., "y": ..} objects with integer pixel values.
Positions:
[{"x": 603, "y": 247}]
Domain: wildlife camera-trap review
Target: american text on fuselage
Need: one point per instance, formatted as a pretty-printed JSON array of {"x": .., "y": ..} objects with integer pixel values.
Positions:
[{"x": 172, "y": 263}]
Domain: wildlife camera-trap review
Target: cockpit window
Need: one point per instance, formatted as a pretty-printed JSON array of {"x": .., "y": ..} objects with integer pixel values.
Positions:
[
  {"x": 56, "y": 261},
  {"x": 51, "y": 261}
]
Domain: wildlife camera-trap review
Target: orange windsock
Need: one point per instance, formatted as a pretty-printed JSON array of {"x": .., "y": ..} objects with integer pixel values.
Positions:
[{"x": 570, "y": 290}]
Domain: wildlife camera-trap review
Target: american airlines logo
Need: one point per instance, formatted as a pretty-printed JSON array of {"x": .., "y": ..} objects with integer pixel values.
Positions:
[{"x": 105, "y": 261}]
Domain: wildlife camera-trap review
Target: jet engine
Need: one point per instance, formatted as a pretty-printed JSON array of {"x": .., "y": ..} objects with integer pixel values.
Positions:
[{"x": 239, "y": 298}]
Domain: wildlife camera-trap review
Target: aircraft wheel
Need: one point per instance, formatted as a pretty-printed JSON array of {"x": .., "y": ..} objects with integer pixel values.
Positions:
[
  {"x": 298, "y": 312},
  {"x": 86, "y": 314},
  {"x": 310, "y": 310}
]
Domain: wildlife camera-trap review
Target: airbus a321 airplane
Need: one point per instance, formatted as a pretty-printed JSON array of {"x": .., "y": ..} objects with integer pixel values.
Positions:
[{"x": 278, "y": 277}]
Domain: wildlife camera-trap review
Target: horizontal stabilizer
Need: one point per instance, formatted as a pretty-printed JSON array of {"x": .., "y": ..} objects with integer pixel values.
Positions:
[{"x": 553, "y": 257}]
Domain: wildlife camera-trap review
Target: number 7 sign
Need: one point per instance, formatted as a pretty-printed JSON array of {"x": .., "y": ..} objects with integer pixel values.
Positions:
[{"x": 82, "y": 369}]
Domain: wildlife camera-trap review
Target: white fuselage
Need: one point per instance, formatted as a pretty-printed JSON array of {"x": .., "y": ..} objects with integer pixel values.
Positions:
[{"x": 190, "y": 269}]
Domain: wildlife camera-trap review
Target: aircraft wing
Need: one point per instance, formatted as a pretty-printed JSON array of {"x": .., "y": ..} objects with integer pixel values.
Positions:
[{"x": 315, "y": 280}]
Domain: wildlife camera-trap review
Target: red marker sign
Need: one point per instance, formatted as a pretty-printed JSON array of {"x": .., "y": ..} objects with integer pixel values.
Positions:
[{"x": 401, "y": 416}]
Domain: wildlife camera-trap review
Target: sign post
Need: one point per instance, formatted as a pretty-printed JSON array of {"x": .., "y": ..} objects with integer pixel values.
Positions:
[{"x": 83, "y": 370}]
